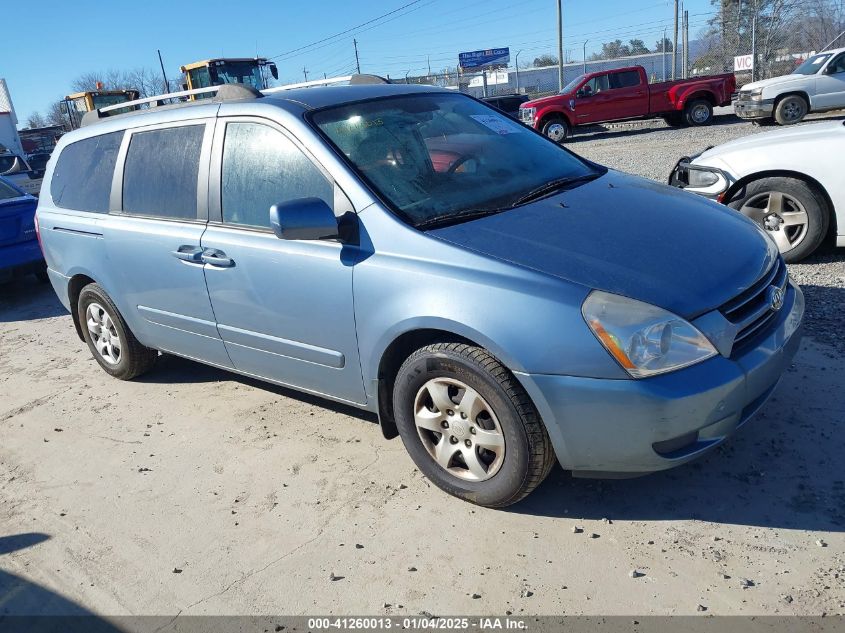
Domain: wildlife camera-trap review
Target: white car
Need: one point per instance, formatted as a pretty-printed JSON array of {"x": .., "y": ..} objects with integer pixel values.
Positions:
[
  {"x": 815, "y": 86},
  {"x": 790, "y": 182}
]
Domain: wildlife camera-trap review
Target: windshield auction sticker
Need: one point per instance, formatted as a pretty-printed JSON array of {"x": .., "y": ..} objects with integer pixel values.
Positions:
[{"x": 498, "y": 124}]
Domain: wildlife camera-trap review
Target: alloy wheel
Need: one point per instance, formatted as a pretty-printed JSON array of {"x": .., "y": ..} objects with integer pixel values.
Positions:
[{"x": 783, "y": 217}]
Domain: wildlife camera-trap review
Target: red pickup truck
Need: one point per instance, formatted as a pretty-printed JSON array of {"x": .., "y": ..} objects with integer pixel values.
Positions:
[{"x": 624, "y": 93}]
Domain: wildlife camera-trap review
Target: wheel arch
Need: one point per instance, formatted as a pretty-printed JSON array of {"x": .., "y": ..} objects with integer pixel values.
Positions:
[
  {"x": 74, "y": 289},
  {"x": 740, "y": 184},
  {"x": 793, "y": 93},
  {"x": 395, "y": 353},
  {"x": 552, "y": 114},
  {"x": 707, "y": 95}
]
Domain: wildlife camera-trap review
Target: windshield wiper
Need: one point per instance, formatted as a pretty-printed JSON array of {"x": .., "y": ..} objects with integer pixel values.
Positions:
[
  {"x": 553, "y": 186},
  {"x": 456, "y": 218}
]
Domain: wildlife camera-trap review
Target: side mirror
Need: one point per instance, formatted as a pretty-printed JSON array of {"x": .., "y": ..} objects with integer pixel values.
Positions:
[
  {"x": 303, "y": 219},
  {"x": 274, "y": 71},
  {"x": 586, "y": 91}
]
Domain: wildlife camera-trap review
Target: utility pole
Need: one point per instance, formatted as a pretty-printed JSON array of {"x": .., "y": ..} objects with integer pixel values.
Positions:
[
  {"x": 560, "y": 44},
  {"x": 686, "y": 44},
  {"x": 585, "y": 56},
  {"x": 163, "y": 74},
  {"x": 305, "y": 72},
  {"x": 663, "y": 50},
  {"x": 754, "y": 48},
  {"x": 517, "y": 70},
  {"x": 675, "y": 43},
  {"x": 357, "y": 62}
]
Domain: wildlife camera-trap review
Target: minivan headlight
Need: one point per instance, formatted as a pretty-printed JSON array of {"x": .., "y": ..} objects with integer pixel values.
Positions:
[{"x": 644, "y": 339}]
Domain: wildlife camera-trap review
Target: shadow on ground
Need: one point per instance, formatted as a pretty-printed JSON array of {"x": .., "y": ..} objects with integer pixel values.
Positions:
[
  {"x": 27, "y": 606},
  {"x": 27, "y": 299}
]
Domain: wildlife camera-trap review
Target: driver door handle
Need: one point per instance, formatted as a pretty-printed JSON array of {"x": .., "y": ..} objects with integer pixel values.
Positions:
[{"x": 217, "y": 258}]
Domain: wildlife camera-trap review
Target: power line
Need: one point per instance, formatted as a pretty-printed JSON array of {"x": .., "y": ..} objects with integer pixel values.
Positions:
[{"x": 331, "y": 37}]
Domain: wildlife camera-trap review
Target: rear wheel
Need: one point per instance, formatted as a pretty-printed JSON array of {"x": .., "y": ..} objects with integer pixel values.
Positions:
[
  {"x": 556, "y": 128},
  {"x": 791, "y": 110},
  {"x": 793, "y": 213},
  {"x": 698, "y": 112},
  {"x": 469, "y": 425},
  {"x": 110, "y": 340}
]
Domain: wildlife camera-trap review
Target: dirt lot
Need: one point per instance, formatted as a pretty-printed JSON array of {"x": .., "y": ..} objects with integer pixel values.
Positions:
[{"x": 193, "y": 491}]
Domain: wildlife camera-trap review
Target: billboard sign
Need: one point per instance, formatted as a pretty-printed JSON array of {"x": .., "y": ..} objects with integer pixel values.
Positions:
[
  {"x": 743, "y": 63},
  {"x": 484, "y": 59}
]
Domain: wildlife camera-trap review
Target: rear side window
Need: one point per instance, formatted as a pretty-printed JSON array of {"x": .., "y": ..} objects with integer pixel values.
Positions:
[
  {"x": 262, "y": 167},
  {"x": 160, "y": 176},
  {"x": 83, "y": 174},
  {"x": 627, "y": 79}
]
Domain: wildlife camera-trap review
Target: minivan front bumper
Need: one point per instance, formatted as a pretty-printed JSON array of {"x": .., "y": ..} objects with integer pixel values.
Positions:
[{"x": 618, "y": 428}]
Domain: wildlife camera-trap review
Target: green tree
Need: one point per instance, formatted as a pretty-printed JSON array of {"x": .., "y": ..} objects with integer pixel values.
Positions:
[
  {"x": 545, "y": 60},
  {"x": 658, "y": 45},
  {"x": 638, "y": 47}
]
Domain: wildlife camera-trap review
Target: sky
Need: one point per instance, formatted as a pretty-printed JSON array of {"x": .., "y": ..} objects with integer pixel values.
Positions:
[{"x": 58, "y": 41}]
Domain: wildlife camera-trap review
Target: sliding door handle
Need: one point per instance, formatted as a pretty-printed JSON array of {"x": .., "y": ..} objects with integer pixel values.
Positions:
[
  {"x": 188, "y": 253},
  {"x": 214, "y": 257}
]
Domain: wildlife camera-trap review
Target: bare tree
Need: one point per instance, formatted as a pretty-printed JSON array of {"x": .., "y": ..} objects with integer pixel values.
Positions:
[
  {"x": 56, "y": 115},
  {"x": 36, "y": 120}
]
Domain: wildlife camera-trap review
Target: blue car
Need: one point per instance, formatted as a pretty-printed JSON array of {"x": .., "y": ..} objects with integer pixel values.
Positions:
[
  {"x": 20, "y": 253},
  {"x": 500, "y": 302}
]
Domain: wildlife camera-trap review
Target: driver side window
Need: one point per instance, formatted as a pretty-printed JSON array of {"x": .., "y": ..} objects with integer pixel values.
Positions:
[
  {"x": 262, "y": 167},
  {"x": 596, "y": 85},
  {"x": 837, "y": 65}
]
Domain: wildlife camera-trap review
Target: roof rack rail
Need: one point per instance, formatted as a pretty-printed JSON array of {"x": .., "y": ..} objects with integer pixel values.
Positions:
[
  {"x": 350, "y": 79},
  {"x": 223, "y": 92}
]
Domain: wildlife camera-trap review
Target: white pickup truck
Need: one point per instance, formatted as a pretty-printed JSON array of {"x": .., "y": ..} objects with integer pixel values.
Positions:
[
  {"x": 815, "y": 86},
  {"x": 16, "y": 170}
]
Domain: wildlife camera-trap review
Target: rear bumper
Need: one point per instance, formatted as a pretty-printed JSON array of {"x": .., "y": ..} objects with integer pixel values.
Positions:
[
  {"x": 20, "y": 259},
  {"x": 627, "y": 427},
  {"x": 754, "y": 109}
]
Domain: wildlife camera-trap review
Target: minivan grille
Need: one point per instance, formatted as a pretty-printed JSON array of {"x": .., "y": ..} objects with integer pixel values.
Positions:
[{"x": 752, "y": 311}]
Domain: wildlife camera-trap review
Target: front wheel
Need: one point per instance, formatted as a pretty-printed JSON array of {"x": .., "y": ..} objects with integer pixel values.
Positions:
[
  {"x": 791, "y": 110},
  {"x": 793, "y": 213},
  {"x": 556, "y": 129},
  {"x": 469, "y": 425}
]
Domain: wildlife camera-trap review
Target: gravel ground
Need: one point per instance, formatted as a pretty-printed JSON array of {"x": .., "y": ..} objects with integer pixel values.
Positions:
[{"x": 651, "y": 149}]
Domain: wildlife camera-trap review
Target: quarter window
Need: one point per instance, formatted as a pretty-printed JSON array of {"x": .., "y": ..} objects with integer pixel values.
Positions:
[
  {"x": 160, "y": 177},
  {"x": 83, "y": 174},
  {"x": 262, "y": 167}
]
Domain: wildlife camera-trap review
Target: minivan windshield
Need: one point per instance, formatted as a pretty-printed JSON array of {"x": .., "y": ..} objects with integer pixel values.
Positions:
[
  {"x": 812, "y": 65},
  {"x": 438, "y": 158}
]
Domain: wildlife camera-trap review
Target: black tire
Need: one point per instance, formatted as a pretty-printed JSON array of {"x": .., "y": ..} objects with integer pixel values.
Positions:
[
  {"x": 674, "y": 120},
  {"x": 134, "y": 359},
  {"x": 698, "y": 112},
  {"x": 813, "y": 201},
  {"x": 791, "y": 109},
  {"x": 528, "y": 453},
  {"x": 550, "y": 129}
]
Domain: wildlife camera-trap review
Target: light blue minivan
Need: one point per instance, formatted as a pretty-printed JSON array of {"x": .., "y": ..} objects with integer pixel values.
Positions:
[{"x": 500, "y": 302}]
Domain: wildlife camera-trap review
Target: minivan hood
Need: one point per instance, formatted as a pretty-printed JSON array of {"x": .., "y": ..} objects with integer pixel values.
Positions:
[{"x": 632, "y": 237}]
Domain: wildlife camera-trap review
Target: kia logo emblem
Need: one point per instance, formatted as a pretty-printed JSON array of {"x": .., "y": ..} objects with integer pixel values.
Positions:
[{"x": 775, "y": 298}]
